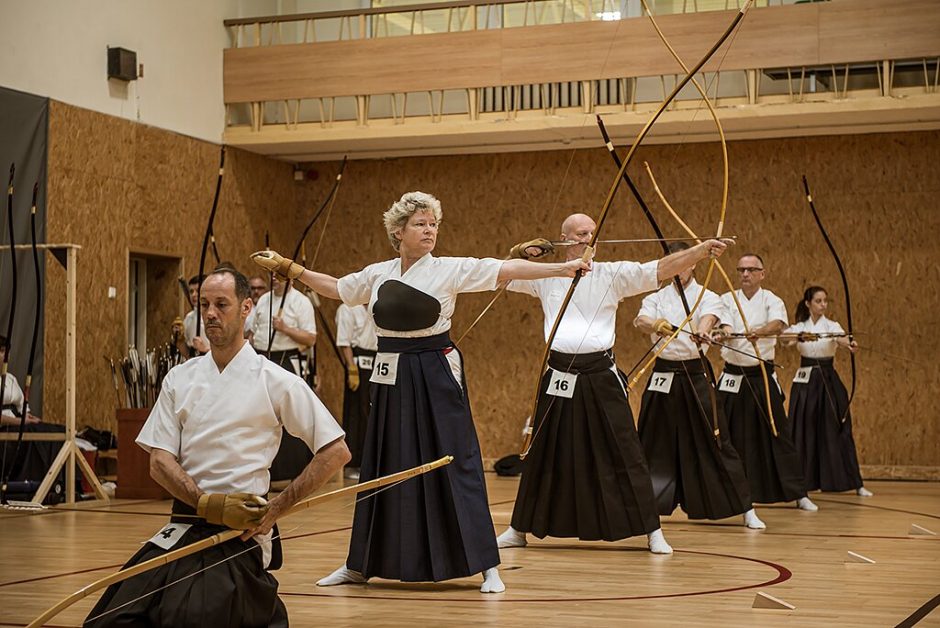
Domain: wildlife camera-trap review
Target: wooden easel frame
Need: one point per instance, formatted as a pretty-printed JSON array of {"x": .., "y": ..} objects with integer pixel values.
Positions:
[{"x": 70, "y": 455}]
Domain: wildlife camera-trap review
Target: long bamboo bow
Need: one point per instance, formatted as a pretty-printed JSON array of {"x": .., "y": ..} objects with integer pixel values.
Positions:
[
  {"x": 609, "y": 201},
  {"x": 706, "y": 365},
  {"x": 228, "y": 535},
  {"x": 714, "y": 263},
  {"x": 4, "y": 368},
  {"x": 845, "y": 288},
  {"x": 327, "y": 205},
  {"x": 28, "y": 381},
  {"x": 207, "y": 238}
]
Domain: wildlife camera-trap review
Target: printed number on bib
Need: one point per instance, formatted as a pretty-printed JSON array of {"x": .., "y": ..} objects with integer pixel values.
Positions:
[
  {"x": 802, "y": 375},
  {"x": 365, "y": 362},
  {"x": 661, "y": 382},
  {"x": 385, "y": 369},
  {"x": 730, "y": 383},
  {"x": 170, "y": 535},
  {"x": 562, "y": 384}
]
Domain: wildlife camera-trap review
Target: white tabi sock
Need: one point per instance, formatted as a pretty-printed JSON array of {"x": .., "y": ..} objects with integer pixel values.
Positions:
[
  {"x": 343, "y": 575},
  {"x": 657, "y": 542},
  {"x": 861, "y": 491},
  {"x": 804, "y": 503},
  {"x": 492, "y": 583},
  {"x": 752, "y": 521},
  {"x": 511, "y": 538}
]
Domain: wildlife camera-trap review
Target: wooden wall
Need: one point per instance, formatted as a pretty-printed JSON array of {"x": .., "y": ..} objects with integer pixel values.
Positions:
[{"x": 116, "y": 185}]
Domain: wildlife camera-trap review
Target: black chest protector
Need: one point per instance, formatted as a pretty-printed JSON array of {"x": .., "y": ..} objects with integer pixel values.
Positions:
[{"x": 399, "y": 307}]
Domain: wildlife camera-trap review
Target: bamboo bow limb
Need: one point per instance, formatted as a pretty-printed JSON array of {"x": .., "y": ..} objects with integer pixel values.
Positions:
[{"x": 228, "y": 535}]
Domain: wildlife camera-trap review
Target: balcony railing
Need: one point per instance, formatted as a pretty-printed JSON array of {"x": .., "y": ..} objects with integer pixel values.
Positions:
[
  {"x": 783, "y": 54},
  {"x": 393, "y": 19}
]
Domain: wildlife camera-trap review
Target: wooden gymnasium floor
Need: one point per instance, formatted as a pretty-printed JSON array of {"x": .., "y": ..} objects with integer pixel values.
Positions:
[{"x": 711, "y": 580}]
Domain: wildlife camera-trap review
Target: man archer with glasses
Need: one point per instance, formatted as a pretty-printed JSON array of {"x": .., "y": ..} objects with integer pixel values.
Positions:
[{"x": 771, "y": 462}]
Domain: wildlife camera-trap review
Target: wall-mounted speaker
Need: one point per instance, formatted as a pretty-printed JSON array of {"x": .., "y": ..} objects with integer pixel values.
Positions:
[{"x": 122, "y": 64}]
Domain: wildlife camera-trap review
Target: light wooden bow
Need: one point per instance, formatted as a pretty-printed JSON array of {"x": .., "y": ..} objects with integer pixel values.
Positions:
[{"x": 228, "y": 535}]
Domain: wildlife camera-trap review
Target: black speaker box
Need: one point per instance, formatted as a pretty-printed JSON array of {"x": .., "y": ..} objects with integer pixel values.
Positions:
[{"x": 122, "y": 64}]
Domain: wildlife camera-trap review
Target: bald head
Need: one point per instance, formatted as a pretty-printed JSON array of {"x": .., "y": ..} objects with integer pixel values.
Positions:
[{"x": 576, "y": 226}]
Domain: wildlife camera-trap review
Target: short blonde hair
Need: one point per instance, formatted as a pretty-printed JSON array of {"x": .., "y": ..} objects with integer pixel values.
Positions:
[{"x": 407, "y": 206}]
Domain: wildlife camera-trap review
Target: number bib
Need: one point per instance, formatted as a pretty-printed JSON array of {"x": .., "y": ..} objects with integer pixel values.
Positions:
[
  {"x": 562, "y": 384},
  {"x": 385, "y": 369},
  {"x": 730, "y": 383},
  {"x": 661, "y": 382},
  {"x": 170, "y": 535},
  {"x": 364, "y": 362},
  {"x": 802, "y": 375}
]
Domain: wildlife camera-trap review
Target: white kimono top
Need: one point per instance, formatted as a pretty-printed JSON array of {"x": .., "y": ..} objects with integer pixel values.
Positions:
[
  {"x": 666, "y": 304},
  {"x": 763, "y": 308},
  {"x": 12, "y": 395},
  {"x": 355, "y": 327},
  {"x": 225, "y": 428},
  {"x": 440, "y": 277},
  {"x": 298, "y": 312},
  {"x": 822, "y": 348},
  {"x": 590, "y": 321}
]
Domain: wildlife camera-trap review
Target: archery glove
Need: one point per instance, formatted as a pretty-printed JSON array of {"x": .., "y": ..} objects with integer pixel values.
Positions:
[
  {"x": 238, "y": 511},
  {"x": 276, "y": 263},
  {"x": 520, "y": 251},
  {"x": 663, "y": 327},
  {"x": 352, "y": 376}
]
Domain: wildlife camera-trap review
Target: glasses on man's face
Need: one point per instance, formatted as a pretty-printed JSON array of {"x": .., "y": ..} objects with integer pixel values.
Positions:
[{"x": 748, "y": 269}]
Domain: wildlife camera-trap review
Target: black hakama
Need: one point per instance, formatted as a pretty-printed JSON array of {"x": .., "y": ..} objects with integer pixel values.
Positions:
[
  {"x": 436, "y": 526},
  {"x": 825, "y": 442},
  {"x": 293, "y": 455},
  {"x": 356, "y": 404},
  {"x": 236, "y": 592},
  {"x": 585, "y": 475},
  {"x": 687, "y": 467},
  {"x": 773, "y": 467}
]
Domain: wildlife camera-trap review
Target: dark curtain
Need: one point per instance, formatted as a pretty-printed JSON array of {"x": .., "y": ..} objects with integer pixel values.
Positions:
[{"x": 24, "y": 127}]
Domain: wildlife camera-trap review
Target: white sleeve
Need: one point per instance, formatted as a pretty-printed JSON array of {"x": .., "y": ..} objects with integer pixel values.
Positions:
[
  {"x": 836, "y": 328},
  {"x": 345, "y": 326},
  {"x": 650, "y": 306},
  {"x": 632, "y": 278},
  {"x": 776, "y": 310},
  {"x": 189, "y": 327},
  {"x": 304, "y": 416},
  {"x": 471, "y": 274},
  {"x": 162, "y": 429},
  {"x": 12, "y": 395},
  {"x": 306, "y": 317},
  {"x": 711, "y": 304},
  {"x": 524, "y": 286},
  {"x": 356, "y": 288}
]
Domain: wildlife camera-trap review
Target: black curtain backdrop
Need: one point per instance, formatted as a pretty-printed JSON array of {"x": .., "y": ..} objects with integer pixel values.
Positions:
[{"x": 24, "y": 130}]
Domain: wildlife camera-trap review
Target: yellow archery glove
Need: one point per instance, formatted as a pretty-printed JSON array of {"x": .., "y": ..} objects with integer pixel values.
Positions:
[
  {"x": 521, "y": 250},
  {"x": 238, "y": 511},
  {"x": 663, "y": 327},
  {"x": 352, "y": 376},
  {"x": 274, "y": 262}
]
